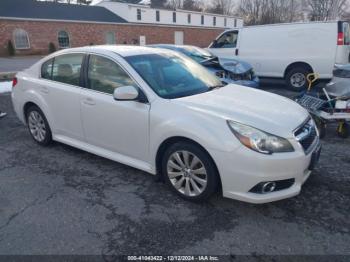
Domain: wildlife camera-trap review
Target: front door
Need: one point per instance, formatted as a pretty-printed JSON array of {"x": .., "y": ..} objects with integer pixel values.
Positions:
[
  {"x": 226, "y": 45},
  {"x": 117, "y": 126}
]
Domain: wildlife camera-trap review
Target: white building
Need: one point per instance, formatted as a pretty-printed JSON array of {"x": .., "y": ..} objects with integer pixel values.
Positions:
[{"x": 136, "y": 13}]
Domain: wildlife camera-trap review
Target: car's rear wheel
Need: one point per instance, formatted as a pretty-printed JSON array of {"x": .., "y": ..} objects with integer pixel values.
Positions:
[
  {"x": 296, "y": 78},
  {"x": 38, "y": 126},
  {"x": 190, "y": 171}
]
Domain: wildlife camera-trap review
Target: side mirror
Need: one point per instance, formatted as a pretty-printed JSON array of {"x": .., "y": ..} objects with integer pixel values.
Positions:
[{"x": 126, "y": 93}]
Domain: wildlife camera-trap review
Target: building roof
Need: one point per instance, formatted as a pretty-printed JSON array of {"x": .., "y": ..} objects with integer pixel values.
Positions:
[{"x": 32, "y": 9}]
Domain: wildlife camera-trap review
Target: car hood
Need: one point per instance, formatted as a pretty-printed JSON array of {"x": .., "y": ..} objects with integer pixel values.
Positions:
[
  {"x": 232, "y": 65},
  {"x": 263, "y": 110}
]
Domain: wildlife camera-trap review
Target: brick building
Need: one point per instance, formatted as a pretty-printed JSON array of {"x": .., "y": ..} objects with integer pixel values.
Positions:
[{"x": 31, "y": 25}]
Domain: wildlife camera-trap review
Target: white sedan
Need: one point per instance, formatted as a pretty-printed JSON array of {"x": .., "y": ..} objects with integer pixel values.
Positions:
[{"x": 161, "y": 112}]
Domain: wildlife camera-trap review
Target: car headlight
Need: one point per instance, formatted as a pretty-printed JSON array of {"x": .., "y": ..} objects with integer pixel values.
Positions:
[{"x": 258, "y": 140}]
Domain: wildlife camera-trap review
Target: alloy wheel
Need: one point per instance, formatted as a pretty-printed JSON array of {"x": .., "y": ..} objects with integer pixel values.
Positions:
[
  {"x": 37, "y": 126},
  {"x": 187, "y": 173}
]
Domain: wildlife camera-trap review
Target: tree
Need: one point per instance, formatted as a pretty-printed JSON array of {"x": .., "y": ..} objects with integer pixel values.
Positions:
[
  {"x": 225, "y": 7},
  {"x": 158, "y": 3},
  {"x": 270, "y": 11},
  {"x": 323, "y": 10},
  {"x": 175, "y": 4},
  {"x": 346, "y": 16},
  {"x": 52, "y": 48},
  {"x": 188, "y": 4}
]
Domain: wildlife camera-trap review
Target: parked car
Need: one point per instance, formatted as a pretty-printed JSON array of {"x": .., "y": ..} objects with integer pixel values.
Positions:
[
  {"x": 230, "y": 71},
  {"x": 161, "y": 112},
  {"x": 289, "y": 51},
  {"x": 340, "y": 84}
]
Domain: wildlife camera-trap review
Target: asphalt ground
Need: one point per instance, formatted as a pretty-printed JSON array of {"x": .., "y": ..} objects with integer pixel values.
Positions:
[{"x": 60, "y": 200}]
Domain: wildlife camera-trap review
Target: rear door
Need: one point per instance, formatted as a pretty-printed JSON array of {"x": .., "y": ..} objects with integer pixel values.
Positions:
[
  {"x": 343, "y": 43},
  {"x": 226, "y": 45},
  {"x": 60, "y": 85}
]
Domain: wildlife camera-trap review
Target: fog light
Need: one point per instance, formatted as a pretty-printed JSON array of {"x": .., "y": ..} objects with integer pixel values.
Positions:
[
  {"x": 272, "y": 186},
  {"x": 268, "y": 187}
]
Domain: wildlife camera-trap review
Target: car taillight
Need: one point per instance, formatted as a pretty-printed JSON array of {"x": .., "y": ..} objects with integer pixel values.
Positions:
[
  {"x": 14, "y": 82},
  {"x": 341, "y": 38}
]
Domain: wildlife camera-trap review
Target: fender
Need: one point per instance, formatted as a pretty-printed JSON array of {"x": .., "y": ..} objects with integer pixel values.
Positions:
[
  {"x": 215, "y": 136},
  {"x": 31, "y": 96}
]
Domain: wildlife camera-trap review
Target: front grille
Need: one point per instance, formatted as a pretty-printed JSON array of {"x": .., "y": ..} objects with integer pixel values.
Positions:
[{"x": 306, "y": 135}]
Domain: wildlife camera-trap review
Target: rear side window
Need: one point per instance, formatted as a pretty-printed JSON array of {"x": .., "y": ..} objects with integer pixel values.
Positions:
[
  {"x": 46, "y": 69},
  {"x": 104, "y": 75},
  {"x": 66, "y": 69}
]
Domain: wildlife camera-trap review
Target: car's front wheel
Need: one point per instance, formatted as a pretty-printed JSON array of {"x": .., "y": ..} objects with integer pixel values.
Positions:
[
  {"x": 38, "y": 126},
  {"x": 190, "y": 171}
]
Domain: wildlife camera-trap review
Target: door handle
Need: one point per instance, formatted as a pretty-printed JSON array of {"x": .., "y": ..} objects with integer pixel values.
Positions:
[
  {"x": 237, "y": 52},
  {"x": 89, "y": 101}
]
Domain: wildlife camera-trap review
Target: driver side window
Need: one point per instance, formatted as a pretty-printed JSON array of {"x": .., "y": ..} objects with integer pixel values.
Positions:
[
  {"x": 104, "y": 75},
  {"x": 228, "y": 40}
]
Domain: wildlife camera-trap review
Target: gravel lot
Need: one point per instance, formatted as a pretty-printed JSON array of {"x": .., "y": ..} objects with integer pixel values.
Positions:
[{"x": 63, "y": 201}]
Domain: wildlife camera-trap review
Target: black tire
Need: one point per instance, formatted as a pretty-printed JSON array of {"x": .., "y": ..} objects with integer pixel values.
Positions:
[
  {"x": 47, "y": 138},
  {"x": 343, "y": 130},
  {"x": 290, "y": 78},
  {"x": 212, "y": 176}
]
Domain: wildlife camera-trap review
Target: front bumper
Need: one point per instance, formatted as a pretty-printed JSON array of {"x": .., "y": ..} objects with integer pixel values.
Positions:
[{"x": 242, "y": 170}]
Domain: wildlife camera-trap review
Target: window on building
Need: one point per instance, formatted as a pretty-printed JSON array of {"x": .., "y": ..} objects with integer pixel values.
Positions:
[
  {"x": 157, "y": 16},
  {"x": 214, "y": 21},
  {"x": 202, "y": 19},
  {"x": 66, "y": 69},
  {"x": 174, "y": 17},
  {"x": 235, "y": 23},
  {"x": 225, "y": 21},
  {"x": 139, "y": 15},
  {"x": 189, "y": 18},
  {"x": 63, "y": 39},
  {"x": 104, "y": 75},
  {"x": 21, "y": 39},
  {"x": 110, "y": 38}
]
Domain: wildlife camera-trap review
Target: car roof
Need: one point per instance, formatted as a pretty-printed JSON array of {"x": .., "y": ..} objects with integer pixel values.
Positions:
[
  {"x": 122, "y": 50},
  {"x": 173, "y": 46}
]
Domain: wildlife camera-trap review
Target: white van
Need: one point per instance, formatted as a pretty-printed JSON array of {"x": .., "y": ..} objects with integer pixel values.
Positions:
[{"x": 288, "y": 51}]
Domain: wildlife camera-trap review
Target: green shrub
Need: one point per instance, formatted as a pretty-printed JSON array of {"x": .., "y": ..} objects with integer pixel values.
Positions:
[
  {"x": 10, "y": 48},
  {"x": 52, "y": 48}
]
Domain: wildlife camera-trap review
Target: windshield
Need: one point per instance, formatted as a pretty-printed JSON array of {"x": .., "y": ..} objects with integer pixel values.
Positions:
[
  {"x": 197, "y": 53},
  {"x": 173, "y": 76}
]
